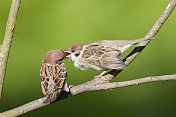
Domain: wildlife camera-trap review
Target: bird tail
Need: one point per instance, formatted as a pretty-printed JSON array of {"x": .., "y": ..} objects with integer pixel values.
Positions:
[
  {"x": 130, "y": 43},
  {"x": 133, "y": 42},
  {"x": 51, "y": 97}
]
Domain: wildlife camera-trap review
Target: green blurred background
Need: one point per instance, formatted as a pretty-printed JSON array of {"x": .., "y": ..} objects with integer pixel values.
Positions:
[{"x": 43, "y": 25}]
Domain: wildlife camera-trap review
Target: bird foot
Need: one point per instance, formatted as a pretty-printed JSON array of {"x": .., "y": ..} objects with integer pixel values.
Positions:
[
  {"x": 99, "y": 76},
  {"x": 68, "y": 89}
]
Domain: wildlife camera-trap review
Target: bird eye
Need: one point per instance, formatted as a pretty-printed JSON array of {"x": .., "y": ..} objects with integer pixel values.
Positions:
[
  {"x": 73, "y": 51},
  {"x": 77, "y": 54},
  {"x": 59, "y": 62}
]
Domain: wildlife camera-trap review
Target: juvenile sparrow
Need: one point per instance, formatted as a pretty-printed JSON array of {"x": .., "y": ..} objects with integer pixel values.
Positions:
[
  {"x": 101, "y": 55},
  {"x": 53, "y": 75}
]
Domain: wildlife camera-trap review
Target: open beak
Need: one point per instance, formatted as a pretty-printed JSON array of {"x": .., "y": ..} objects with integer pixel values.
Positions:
[{"x": 67, "y": 54}]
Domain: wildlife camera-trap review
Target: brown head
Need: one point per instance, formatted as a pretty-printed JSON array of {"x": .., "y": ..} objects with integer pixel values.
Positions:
[
  {"x": 76, "y": 46},
  {"x": 54, "y": 56},
  {"x": 74, "y": 50}
]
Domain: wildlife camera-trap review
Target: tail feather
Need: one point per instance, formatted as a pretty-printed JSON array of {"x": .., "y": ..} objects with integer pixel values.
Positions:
[
  {"x": 119, "y": 43},
  {"x": 51, "y": 97},
  {"x": 133, "y": 42},
  {"x": 127, "y": 44}
]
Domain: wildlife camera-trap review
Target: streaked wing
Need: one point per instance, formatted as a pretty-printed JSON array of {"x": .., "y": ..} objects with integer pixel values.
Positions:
[
  {"x": 60, "y": 76},
  {"x": 110, "y": 43},
  {"x": 116, "y": 43},
  {"x": 104, "y": 57},
  {"x": 52, "y": 77},
  {"x": 44, "y": 79}
]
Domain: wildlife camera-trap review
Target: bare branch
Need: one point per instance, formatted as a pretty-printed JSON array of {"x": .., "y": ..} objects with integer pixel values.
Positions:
[
  {"x": 153, "y": 31},
  {"x": 5, "y": 48},
  {"x": 89, "y": 86},
  {"x": 106, "y": 86}
]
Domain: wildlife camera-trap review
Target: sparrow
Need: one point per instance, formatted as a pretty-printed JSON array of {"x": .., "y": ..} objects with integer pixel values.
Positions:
[
  {"x": 101, "y": 55},
  {"x": 53, "y": 75}
]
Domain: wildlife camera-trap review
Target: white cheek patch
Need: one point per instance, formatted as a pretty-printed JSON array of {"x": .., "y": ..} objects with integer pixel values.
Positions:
[{"x": 76, "y": 58}]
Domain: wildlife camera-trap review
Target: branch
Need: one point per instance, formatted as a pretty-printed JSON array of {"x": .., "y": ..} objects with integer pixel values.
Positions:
[
  {"x": 89, "y": 86},
  {"x": 153, "y": 31},
  {"x": 5, "y": 48}
]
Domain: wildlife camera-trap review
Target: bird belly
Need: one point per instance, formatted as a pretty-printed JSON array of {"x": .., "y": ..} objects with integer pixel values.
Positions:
[
  {"x": 80, "y": 65},
  {"x": 83, "y": 65}
]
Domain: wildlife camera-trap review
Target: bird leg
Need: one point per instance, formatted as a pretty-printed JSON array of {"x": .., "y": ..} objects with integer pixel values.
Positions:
[
  {"x": 67, "y": 88},
  {"x": 100, "y": 74}
]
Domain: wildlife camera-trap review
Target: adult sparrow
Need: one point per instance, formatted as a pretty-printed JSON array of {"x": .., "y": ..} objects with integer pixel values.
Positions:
[
  {"x": 101, "y": 55},
  {"x": 53, "y": 75}
]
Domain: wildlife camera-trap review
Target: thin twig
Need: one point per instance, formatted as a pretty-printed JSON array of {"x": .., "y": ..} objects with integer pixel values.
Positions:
[
  {"x": 153, "y": 31},
  {"x": 104, "y": 86},
  {"x": 85, "y": 88},
  {"x": 5, "y": 48}
]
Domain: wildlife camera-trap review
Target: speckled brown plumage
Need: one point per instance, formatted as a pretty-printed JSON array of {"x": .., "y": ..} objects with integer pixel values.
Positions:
[
  {"x": 106, "y": 58},
  {"x": 101, "y": 55},
  {"x": 53, "y": 75}
]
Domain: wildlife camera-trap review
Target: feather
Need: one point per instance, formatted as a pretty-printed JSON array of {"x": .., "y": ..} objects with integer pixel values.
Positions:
[
  {"x": 51, "y": 97},
  {"x": 104, "y": 57},
  {"x": 112, "y": 60},
  {"x": 118, "y": 43},
  {"x": 53, "y": 79}
]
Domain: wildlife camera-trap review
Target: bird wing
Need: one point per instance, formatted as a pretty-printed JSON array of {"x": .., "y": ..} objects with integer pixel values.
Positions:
[
  {"x": 44, "y": 79},
  {"x": 118, "y": 43},
  {"x": 104, "y": 57},
  {"x": 53, "y": 77},
  {"x": 60, "y": 75}
]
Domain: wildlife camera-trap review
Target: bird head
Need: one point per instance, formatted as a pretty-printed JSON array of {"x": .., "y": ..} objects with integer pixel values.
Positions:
[
  {"x": 54, "y": 57},
  {"x": 74, "y": 51}
]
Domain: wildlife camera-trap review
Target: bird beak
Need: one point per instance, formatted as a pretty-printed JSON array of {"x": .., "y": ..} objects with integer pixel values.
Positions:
[{"x": 67, "y": 54}]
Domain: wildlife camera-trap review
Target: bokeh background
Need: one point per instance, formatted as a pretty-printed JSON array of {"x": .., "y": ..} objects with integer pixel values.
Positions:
[{"x": 44, "y": 25}]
